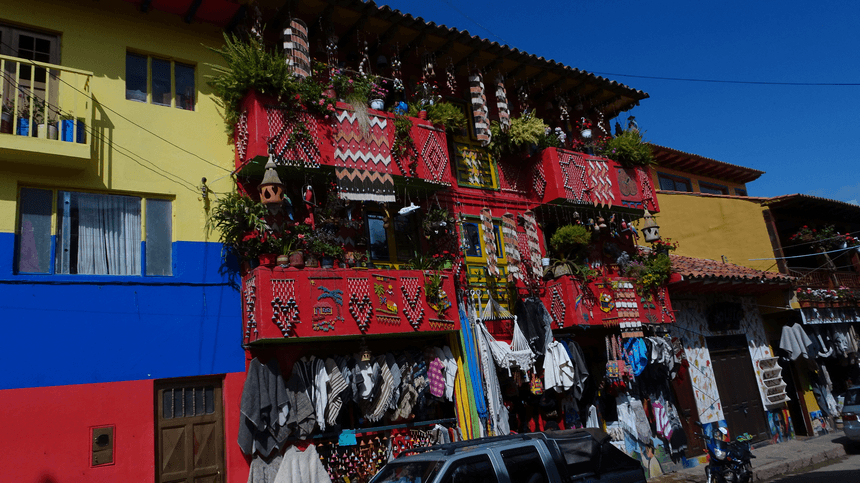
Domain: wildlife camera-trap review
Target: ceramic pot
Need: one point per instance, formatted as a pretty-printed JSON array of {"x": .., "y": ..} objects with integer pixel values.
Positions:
[
  {"x": 268, "y": 259},
  {"x": 422, "y": 115},
  {"x": 804, "y": 304},
  {"x": 377, "y": 104},
  {"x": 283, "y": 260},
  {"x": 297, "y": 260},
  {"x": 23, "y": 127},
  {"x": 311, "y": 261},
  {"x": 47, "y": 131}
]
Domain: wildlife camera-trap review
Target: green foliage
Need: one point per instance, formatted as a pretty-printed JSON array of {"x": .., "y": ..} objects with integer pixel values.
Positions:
[
  {"x": 403, "y": 147},
  {"x": 651, "y": 271},
  {"x": 446, "y": 114},
  {"x": 238, "y": 219},
  {"x": 569, "y": 238},
  {"x": 629, "y": 149},
  {"x": 526, "y": 130},
  {"x": 249, "y": 66}
]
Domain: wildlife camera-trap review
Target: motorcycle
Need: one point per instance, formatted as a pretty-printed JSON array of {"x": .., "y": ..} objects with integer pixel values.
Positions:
[{"x": 729, "y": 461}]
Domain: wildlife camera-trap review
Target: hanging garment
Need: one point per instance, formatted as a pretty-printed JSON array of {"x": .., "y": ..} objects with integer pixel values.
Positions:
[
  {"x": 661, "y": 419},
  {"x": 301, "y": 420},
  {"x": 437, "y": 379},
  {"x": 313, "y": 374},
  {"x": 559, "y": 373},
  {"x": 450, "y": 372},
  {"x": 302, "y": 466},
  {"x": 580, "y": 367},
  {"x": 489, "y": 235},
  {"x": 264, "y": 470},
  {"x": 264, "y": 407},
  {"x": 592, "y": 421},
  {"x": 397, "y": 377},
  {"x": 635, "y": 355},
  {"x": 336, "y": 386},
  {"x": 476, "y": 383},
  {"x": 794, "y": 341},
  {"x": 534, "y": 321},
  {"x": 386, "y": 389},
  {"x": 497, "y": 410}
]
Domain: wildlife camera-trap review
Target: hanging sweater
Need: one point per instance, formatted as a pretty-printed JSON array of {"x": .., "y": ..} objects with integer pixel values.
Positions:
[
  {"x": 534, "y": 321},
  {"x": 559, "y": 373},
  {"x": 264, "y": 409},
  {"x": 302, "y": 467}
]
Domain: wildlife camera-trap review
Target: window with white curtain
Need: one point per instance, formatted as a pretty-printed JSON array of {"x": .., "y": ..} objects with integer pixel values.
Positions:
[{"x": 96, "y": 234}]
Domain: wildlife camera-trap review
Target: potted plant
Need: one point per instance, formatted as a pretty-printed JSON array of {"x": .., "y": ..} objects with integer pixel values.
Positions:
[
  {"x": 650, "y": 271},
  {"x": 23, "y": 128},
  {"x": 238, "y": 218},
  {"x": 568, "y": 244},
  {"x": 806, "y": 297},
  {"x": 324, "y": 244},
  {"x": 523, "y": 136},
  {"x": 378, "y": 93},
  {"x": 6, "y": 120},
  {"x": 629, "y": 149}
]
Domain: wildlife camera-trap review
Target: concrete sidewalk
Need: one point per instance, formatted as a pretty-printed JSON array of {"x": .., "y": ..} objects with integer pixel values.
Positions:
[{"x": 775, "y": 460}]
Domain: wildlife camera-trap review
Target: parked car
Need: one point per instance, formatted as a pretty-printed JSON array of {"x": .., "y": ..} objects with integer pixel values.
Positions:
[
  {"x": 851, "y": 413},
  {"x": 578, "y": 455}
]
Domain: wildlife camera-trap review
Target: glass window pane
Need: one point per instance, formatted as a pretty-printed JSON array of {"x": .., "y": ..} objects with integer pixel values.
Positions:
[
  {"x": 500, "y": 247},
  {"x": 378, "y": 236},
  {"x": 477, "y": 469},
  {"x": 198, "y": 401},
  {"x": 210, "y": 400},
  {"x": 160, "y": 82},
  {"x": 184, "y": 75},
  {"x": 189, "y": 402},
  {"x": 135, "y": 77},
  {"x": 178, "y": 405},
  {"x": 473, "y": 239},
  {"x": 34, "y": 231},
  {"x": 404, "y": 241},
  {"x": 524, "y": 464},
  {"x": 167, "y": 404},
  {"x": 159, "y": 238},
  {"x": 666, "y": 184},
  {"x": 683, "y": 186}
]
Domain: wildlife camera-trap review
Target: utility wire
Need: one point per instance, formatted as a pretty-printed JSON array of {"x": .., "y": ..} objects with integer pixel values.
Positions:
[
  {"x": 120, "y": 149},
  {"x": 120, "y": 115}
]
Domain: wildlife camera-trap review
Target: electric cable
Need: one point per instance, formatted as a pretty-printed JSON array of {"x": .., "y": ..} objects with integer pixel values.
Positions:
[
  {"x": 91, "y": 131},
  {"x": 120, "y": 115}
]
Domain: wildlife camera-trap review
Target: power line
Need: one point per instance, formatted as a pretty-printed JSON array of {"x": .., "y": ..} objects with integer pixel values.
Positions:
[
  {"x": 121, "y": 116},
  {"x": 726, "y": 81}
]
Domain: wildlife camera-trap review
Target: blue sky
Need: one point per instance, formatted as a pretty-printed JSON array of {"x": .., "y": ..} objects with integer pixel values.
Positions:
[{"x": 802, "y": 136}]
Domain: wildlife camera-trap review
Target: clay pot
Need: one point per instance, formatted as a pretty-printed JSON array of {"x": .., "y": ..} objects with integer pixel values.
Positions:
[
  {"x": 297, "y": 260},
  {"x": 283, "y": 260},
  {"x": 268, "y": 259}
]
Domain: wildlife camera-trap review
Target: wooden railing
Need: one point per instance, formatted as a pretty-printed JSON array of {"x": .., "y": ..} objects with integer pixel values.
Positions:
[
  {"x": 46, "y": 101},
  {"x": 809, "y": 277}
]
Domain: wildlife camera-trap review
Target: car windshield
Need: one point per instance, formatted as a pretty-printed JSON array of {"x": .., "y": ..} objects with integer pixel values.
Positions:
[
  {"x": 852, "y": 397},
  {"x": 412, "y": 472}
]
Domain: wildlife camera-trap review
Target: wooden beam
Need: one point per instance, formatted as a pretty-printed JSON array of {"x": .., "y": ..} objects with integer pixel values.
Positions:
[{"x": 192, "y": 10}]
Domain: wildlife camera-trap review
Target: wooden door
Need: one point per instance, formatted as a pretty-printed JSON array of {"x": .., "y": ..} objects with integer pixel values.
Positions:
[
  {"x": 689, "y": 414},
  {"x": 736, "y": 381},
  {"x": 189, "y": 432}
]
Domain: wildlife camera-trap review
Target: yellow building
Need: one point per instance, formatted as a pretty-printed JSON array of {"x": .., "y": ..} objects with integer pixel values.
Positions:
[{"x": 115, "y": 341}]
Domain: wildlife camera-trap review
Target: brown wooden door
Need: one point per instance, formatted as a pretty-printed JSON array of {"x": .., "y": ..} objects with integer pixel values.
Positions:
[
  {"x": 689, "y": 414},
  {"x": 189, "y": 431},
  {"x": 736, "y": 381}
]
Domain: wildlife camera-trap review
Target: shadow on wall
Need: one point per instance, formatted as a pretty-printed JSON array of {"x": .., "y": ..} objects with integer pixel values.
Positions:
[
  {"x": 102, "y": 141},
  {"x": 47, "y": 479}
]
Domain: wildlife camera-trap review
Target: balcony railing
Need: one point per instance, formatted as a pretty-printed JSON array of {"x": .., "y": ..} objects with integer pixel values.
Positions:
[
  {"x": 566, "y": 176},
  {"x": 46, "y": 112},
  {"x": 283, "y": 303},
  {"x": 265, "y": 128}
]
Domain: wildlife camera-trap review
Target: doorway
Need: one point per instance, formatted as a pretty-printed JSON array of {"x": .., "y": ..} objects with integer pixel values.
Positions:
[
  {"x": 189, "y": 429},
  {"x": 738, "y": 387}
]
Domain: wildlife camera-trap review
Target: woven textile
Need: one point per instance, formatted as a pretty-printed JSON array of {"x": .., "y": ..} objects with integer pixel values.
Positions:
[
  {"x": 597, "y": 175},
  {"x": 336, "y": 386},
  {"x": 573, "y": 176},
  {"x": 296, "y": 47},
  {"x": 355, "y": 148},
  {"x": 479, "y": 108},
  {"x": 490, "y": 250},
  {"x": 287, "y": 150},
  {"x": 502, "y": 103},
  {"x": 365, "y": 185},
  {"x": 437, "y": 379},
  {"x": 512, "y": 251},
  {"x": 434, "y": 153},
  {"x": 533, "y": 243}
]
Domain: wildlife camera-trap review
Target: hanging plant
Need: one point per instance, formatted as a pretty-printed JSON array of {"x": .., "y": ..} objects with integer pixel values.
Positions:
[{"x": 628, "y": 149}]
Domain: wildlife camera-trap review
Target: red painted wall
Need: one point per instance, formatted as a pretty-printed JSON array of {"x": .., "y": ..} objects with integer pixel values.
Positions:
[{"x": 45, "y": 432}]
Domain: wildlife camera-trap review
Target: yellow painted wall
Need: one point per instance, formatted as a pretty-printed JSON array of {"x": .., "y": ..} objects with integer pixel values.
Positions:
[
  {"x": 95, "y": 37},
  {"x": 712, "y": 227},
  {"x": 694, "y": 180}
]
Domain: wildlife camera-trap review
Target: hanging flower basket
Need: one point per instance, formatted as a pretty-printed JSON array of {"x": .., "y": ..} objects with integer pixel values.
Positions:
[{"x": 805, "y": 304}]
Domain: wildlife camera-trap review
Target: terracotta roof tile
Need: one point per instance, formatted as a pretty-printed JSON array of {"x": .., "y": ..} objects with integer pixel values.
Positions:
[{"x": 704, "y": 269}]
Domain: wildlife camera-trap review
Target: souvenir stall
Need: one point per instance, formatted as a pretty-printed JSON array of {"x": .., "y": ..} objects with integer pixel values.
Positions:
[{"x": 826, "y": 346}]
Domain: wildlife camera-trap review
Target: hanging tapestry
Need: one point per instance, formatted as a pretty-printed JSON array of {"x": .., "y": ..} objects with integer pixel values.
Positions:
[
  {"x": 479, "y": 108},
  {"x": 573, "y": 176},
  {"x": 296, "y": 47},
  {"x": 558, "y": 308},
  {"x": 533, "y": 243},
  {"x": 413, "y": 309},
  {"x": 362, "y": 148},
  {"x": 285, "y": 310},
  {"x": 502, "y": 103},
  {"x": 287, "y": 149},
  {"x": 360, "y": 304},
  {"x": 490, "y": 249},
  {"x": 250, "y": 295},
  {"x": 364, "y": 185},
  {"x": 434, "y": 153},
  {"x": 600, "y": 183},
  {"x": 539, "y": 181},
  {"x": 512, "y": 251},
  {"x": 474, "y": 166}
]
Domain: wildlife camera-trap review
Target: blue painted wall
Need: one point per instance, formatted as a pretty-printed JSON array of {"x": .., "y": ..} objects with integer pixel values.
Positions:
[{"x": 69, "y": 329}]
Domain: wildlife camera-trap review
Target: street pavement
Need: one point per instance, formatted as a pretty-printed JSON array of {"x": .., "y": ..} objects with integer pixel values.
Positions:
[
  {"x": 846, "y": 470},
  {"x": 783, "y": 460}
]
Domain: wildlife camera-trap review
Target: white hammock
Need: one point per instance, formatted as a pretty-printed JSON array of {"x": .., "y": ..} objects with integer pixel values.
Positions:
[{"x": 518, "y": 354}]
